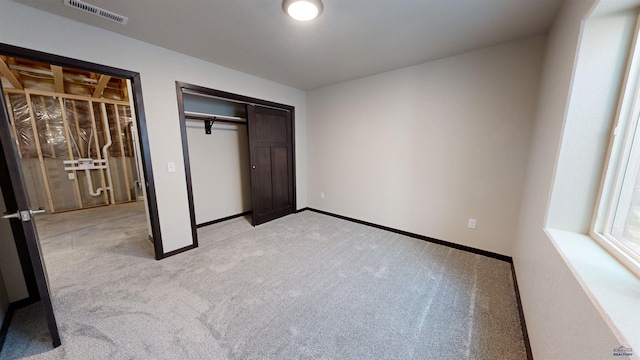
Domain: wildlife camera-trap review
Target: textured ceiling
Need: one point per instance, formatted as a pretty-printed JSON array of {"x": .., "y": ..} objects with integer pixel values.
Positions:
[{"x": 351, "y": 39}]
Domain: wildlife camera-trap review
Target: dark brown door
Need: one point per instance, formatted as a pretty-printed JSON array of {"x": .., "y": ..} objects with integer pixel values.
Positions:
[
  {"x": 271, "y": 158},
  {"x": 22, "y": 224}
]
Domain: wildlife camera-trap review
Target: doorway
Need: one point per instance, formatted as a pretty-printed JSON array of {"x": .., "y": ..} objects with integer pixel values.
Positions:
[
  {"x": 262, "y": 155},
  {"x": 78, "y": 101},
  {"x": 51, "y": 69}
]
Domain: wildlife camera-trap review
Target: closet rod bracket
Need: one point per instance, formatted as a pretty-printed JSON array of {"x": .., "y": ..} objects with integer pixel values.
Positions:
[{"x": 207, "y": 126}]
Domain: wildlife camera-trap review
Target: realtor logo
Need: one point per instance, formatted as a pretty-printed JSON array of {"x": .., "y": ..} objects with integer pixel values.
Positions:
[{"x": 623, "y": 351}]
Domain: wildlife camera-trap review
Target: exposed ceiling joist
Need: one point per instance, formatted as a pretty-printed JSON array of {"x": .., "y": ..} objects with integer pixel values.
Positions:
[
  {"x": 58, "y": 78},
  {"x": 6, "y": 72},
  {"x": 23, "y": 75},
  {"x": 31, "y": 70},
  {"x": 102, "y": 84}
]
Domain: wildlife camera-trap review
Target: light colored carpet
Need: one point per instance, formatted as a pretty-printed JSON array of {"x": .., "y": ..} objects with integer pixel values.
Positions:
[{"x": 300, "y": 287}]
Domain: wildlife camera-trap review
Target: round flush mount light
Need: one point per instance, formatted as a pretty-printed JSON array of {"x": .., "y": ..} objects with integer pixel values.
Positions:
[{"x": 303, "y": 10}]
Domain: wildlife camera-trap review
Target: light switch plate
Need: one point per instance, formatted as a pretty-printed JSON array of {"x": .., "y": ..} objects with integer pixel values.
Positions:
[{"x": 171, "y": 167}]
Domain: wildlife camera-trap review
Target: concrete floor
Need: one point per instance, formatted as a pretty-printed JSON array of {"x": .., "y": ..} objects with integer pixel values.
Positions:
[{"x": 107, "y": 225}]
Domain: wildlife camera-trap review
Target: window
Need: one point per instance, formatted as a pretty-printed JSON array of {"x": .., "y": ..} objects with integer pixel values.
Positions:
[{"x": 617, "y": 219}]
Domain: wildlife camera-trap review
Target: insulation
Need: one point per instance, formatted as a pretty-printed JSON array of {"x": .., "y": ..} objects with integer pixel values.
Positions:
[
  {"x": 80, "y": 127},
  {"x": 75, "y": 130},
  {"x": 51, "y": 131},
  {"x": 22, "y": 122}
]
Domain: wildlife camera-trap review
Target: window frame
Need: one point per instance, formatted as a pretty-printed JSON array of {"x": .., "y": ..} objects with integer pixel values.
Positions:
[{"x": 624, "y": 137}]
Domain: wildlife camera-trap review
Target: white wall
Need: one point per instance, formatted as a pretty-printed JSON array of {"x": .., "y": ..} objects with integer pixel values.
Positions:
[
  {"x": 562, "y": 321},
  {"x": 27, "y": 27},
  {"x": 424, "y": 148},
  {"x": 219, "y": 161}
]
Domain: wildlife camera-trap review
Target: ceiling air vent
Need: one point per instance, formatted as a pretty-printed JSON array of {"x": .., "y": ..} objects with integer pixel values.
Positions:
[{"x": 97, "y": 11}]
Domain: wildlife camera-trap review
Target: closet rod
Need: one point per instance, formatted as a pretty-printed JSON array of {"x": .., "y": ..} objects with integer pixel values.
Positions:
[{"x": 216, "y": 118}]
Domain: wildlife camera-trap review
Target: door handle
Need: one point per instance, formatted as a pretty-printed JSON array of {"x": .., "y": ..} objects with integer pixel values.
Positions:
[
  {"x": 15, "y": 215},
  {"x": 24, "y": 215}
]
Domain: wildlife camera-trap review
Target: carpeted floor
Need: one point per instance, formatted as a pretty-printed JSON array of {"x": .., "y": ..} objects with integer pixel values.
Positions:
[{"x": 303, "y": 286}]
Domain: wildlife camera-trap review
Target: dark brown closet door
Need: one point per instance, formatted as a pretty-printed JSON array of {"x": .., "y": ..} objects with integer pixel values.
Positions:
[{"x": 271, "y": 158}]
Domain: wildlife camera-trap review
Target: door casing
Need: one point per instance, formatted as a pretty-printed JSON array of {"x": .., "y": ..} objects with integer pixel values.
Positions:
[{"x": 15, "y": 51}]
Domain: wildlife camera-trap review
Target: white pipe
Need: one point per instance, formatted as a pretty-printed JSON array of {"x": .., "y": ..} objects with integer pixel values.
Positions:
[
  {"x": 105, "y": 152},
  {"x": 90, "y": 184}
]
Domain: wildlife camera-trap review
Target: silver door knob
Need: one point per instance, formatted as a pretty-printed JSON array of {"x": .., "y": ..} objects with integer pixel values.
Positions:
[{"x": 254, "y": 166}]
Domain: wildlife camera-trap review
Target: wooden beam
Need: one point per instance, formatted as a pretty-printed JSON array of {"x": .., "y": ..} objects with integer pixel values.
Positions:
[
  {"x": 58, "y": 78},
  {"x": 43, "y": 169},
  {"x": 81, "y": 143},
  {"x": 67, "y": 134},
  {"x": 122, "y": 157},
  {"x": 13, "y": 123},
  {"x": 65, "y": 96},
  {"x": 124, "y": 89},
  {"x": 6, "y": 72},
  {"x": 102, "y": 84},
  {"x": 10, "y": 62}
]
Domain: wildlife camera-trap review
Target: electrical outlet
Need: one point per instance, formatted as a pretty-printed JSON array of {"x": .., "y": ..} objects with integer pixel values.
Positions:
[
  {"x": 71, "y": 176},
  {"x": 471, "y": 224},
  {"x": 322, "y": 195},
  {"x": 171, "y": 167}
]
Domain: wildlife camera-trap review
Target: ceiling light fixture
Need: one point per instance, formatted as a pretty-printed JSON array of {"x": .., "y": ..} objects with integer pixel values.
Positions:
[{"x": 303, "y": 10}]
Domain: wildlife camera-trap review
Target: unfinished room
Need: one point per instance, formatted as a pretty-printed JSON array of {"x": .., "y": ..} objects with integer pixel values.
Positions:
[
  {"x": 324, "y": 179},
  {"x": 75, "y": 137}
]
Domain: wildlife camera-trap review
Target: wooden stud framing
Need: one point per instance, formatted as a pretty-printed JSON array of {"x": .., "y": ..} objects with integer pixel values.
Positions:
[
  {"x": 130, "y": 147},
  {"x": 6, "y": 72},
  {"x": 122, "y": 157},
  {"x": 81, "y": 142},
  {"x": 137, "y": 156},
  {"x": 65, "y": 96},
  {"x": 123, "y": 87},
  {"x": 58, "y": 78},
  {"x": 67, "y": 133},
  {"x": 43, "y": 168},
  {"x": 102, "y": 84},
  {"x": 11, "y": 61},
  {"x": 13, "y": 123},
  {"x": 97, "y": 143}
]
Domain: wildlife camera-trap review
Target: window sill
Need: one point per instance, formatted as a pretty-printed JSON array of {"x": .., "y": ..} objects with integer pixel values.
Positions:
[{"x": 613, "y": 289}]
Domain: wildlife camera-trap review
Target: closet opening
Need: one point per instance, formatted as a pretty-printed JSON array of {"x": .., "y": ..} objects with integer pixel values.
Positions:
[{"x": 238, "y": 155}]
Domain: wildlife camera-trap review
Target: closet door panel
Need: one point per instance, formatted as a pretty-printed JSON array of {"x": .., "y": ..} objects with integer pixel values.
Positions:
[
  {"x": 280, "y": 178},
  {"x": 271, "y": 128},
  {"x": 263, "y": 189},
  {"x": 271, "y": 157}
]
